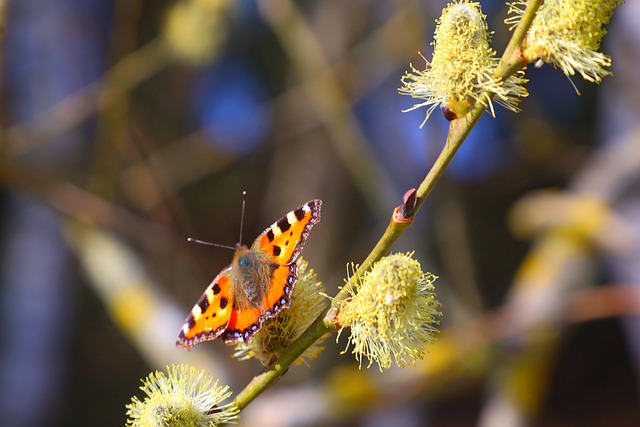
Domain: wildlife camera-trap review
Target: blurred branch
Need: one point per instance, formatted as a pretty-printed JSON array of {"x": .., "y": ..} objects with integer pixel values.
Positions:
[
  {"x": 612, "y": 169},
  {"x": 451, "y": 232},
  {"x": 383, "y": 41},
  {"x": 578, "y": 222},
  {"x": 80, "y": 204},
  {"x": 182, "y": 162},
  {"x": 135, "y": 303},
  {"x": 347, "y": 138},
  {"x": 74, "y": 110},
  {"x": 193, "y": 34},
  {"x": 591, "y": 217}
]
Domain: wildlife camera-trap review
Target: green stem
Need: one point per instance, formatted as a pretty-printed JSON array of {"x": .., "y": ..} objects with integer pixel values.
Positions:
[
  {"x": 510, "y": 63},
  {"x": 270, "y": 375},
  {"x": 512, "y": 59},
  {"x": 458, "y": 131}
]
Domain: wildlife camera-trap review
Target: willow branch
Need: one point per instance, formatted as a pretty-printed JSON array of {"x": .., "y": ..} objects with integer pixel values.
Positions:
[{"x": 459, "y": 129}]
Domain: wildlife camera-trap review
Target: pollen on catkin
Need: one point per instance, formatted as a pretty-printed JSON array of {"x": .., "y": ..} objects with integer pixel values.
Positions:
[
  {"x": 277, "y": 334},
  {"x": 392, "y": 312},
  {"x": 181, "y": 397},
  {"x": 461, "y": 71},
  {"x": 567, "y": 34}
]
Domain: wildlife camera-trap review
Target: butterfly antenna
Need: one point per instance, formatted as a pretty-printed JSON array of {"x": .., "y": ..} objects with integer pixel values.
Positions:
[
  {"x": 244, "y": 202},
  {"x": 202, "y": 242}
]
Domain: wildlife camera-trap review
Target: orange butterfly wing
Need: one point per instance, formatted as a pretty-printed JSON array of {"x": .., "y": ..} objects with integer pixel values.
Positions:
[
  {"x": 284, "y": 240},
  {"x": 211, "y": 314}
]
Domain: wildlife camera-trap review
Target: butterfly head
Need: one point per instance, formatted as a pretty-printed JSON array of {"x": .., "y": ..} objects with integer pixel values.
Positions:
[{"x": 244, "y": 258}]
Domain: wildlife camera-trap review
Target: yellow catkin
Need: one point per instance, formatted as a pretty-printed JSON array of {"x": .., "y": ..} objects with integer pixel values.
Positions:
[
  {"x": 392, "y": 312},
  {"x": 181, "y": 397},
  {"x": 567, "y": 34},
  {"x": 461, "y": 71},
  {"x": 277, "y": 334}
]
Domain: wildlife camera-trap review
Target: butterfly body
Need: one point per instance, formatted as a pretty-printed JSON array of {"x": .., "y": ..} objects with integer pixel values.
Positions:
[
  {"x": 256, "y": 286},
  {"x": 251, "y": 273}
]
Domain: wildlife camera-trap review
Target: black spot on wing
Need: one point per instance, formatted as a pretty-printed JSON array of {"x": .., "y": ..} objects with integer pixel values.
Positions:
[
  {"x": 277, "y": 250},
  {"x": 283, "y": 224},
  {"x": 216, "y": 289},
  {"x": 203, "y": 303},
  {"x": 299, "y": 213},
  {"x": 270, "y": 235},
  {"x": 223, "y": 302}
]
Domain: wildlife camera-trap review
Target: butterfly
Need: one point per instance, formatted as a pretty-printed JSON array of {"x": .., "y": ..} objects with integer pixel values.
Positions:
[{"x": 256, "y": 286}]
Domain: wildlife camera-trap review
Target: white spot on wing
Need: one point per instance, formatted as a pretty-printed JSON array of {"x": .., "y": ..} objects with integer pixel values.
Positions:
[
  {"x": 196, "y": 311},
  {"x": 291, "y": 217}
]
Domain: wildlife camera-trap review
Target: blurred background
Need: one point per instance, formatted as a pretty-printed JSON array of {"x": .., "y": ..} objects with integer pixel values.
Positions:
[{"x": 130, "y": 125}]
